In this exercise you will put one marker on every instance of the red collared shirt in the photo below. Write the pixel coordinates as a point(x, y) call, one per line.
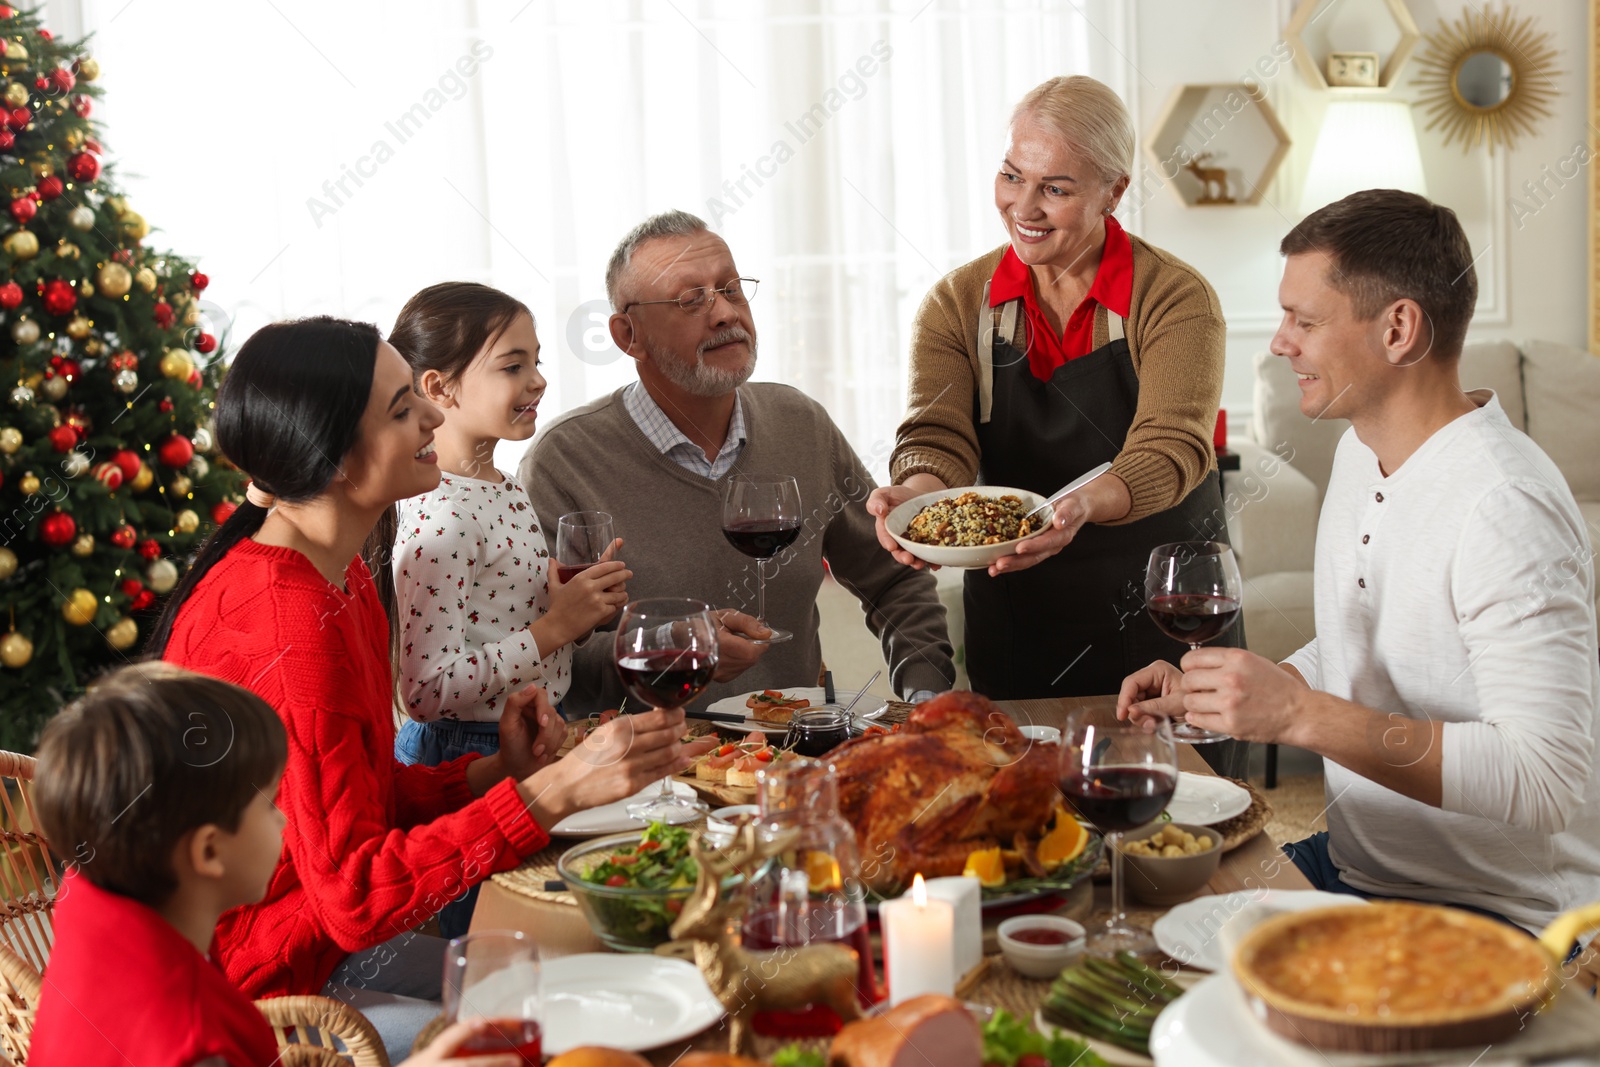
point(1112, 288)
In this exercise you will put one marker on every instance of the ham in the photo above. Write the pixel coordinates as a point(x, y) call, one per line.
point(925, 1031)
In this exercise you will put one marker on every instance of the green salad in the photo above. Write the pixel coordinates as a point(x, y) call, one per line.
point(1011, 1042)
point(659, 862)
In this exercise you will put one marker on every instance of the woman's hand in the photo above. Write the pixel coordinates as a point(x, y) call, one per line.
point(531, 732)
point(614, 761)
point(1105, 499)
point(594, 596)
point(451, 1039)
point(735, 652)
point(886, 498)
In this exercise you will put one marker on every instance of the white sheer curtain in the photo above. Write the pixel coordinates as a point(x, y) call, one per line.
point(845, 149)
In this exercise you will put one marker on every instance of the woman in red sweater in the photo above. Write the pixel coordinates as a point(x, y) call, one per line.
point(321, 414)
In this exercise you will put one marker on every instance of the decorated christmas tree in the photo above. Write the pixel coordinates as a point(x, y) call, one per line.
point(107, 382)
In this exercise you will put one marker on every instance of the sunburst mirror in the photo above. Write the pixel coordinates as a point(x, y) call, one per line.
point(1487, 78)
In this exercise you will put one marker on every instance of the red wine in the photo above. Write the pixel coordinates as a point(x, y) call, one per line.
point(762, 538)
point(665, 678)
point(1120, 798)
point(761, 934)
point(1193, 618)
point(521, 1036)
point(566, 572)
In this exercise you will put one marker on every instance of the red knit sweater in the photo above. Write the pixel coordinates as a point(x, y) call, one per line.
point(372, 847)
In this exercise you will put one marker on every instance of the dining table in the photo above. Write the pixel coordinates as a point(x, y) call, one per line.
point(554, 921)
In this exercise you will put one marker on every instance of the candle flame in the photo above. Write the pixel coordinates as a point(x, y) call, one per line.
point(919, 892)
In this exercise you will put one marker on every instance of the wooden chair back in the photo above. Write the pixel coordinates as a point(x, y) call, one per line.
point(27, 901)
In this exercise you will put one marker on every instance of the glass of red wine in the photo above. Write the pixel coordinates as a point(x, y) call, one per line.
point(582, 538)
point(1119, 776)
point(761, 517)
point(666, 651)
point(1192, 591)
point(494, 976)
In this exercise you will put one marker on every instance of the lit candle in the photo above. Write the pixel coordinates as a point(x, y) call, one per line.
point(918, 944)
point(966, 898)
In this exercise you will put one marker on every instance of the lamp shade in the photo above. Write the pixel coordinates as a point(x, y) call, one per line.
point(1363, 144)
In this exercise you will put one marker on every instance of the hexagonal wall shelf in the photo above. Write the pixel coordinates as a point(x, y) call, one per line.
point(1217, 145)
point(1355, 34)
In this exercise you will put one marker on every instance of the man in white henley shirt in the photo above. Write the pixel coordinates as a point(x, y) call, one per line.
point(1453, 687)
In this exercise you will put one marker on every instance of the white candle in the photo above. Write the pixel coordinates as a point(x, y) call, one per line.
point(918, 944)
point(966, 897)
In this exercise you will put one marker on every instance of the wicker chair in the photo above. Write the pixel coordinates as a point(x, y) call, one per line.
point(323, 1032)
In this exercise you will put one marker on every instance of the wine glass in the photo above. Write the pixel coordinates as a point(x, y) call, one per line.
point(1192, 592)
point(761, 517)
point(666, 650)
point(582, 537)
point(1119, 776)
point(494, 975)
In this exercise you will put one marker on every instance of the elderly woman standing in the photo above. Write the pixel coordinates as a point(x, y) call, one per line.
point(1073, 345)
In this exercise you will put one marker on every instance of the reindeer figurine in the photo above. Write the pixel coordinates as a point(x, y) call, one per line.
point(1210, 177)
point(785, 979)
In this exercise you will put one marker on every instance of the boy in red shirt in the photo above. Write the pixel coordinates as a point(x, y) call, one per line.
point(161, 784)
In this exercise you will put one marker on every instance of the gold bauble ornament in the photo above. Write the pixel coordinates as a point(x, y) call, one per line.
point(123, 633)
point(88, 68)
point(86, 287)
point(21, 244)
point(78, 327)
point(133, 226)
point(26, 332)
point(10, 440)
point(15, 52)
point(180, 487)
point(176, 364)
point(93, 346)
point(74, 140)
point(16, 94)
point(146, 279)
point(187, 522)
point(192, 316)
point(68, 250)
point(42, 168)
point(113, 279)
point(15, 650)
point(78, 609)
point(161, 576)
point(55, 389)
point(83, 545)
point(81, 217)
point(28, 484)
point(118, 205)
point(143, 480)
point(8, 563)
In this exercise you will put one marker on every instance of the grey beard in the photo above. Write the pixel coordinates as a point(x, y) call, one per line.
point(696, 378)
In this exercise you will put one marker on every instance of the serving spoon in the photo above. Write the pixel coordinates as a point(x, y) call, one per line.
point(1071, 487)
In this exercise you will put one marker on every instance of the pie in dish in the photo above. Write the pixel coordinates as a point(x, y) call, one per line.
point(1392, 977)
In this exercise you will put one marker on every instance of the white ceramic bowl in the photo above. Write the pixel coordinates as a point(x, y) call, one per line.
point(968, 558)
point(1041, 961)
point(720, 823)
point(1046, 734)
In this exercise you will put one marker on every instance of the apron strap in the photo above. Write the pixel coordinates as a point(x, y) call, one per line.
point(988, 329)
point(1115, 328)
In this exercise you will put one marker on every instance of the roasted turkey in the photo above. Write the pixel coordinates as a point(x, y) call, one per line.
point(958, 776)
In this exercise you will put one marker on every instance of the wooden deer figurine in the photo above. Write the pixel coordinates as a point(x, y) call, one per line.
point(1210, 178)
point(785, 979)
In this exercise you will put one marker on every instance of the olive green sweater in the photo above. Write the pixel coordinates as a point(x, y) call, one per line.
point(1175, 332)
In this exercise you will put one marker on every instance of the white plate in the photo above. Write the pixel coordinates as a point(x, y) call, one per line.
point(622, 1001)
point(613, 818)
point(950, 556)
point(1205, 799)
point(1191, 932)
point(736, 706)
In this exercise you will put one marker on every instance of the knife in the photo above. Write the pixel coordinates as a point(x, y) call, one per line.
point(827, 687)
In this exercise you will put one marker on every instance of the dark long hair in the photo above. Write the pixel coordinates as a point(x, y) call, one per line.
point(288, 411)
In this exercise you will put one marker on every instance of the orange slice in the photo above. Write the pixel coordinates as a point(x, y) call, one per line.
point(1064, 841)
point(986, 865)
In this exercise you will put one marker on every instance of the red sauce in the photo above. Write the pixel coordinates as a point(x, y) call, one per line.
point(1041, 935)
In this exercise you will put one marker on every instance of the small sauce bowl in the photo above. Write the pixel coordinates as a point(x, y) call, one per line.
point(1041, 946)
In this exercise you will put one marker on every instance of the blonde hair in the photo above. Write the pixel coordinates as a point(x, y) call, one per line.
point(1089, 117)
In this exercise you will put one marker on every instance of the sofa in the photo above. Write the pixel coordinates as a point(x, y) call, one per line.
point(1549, 391)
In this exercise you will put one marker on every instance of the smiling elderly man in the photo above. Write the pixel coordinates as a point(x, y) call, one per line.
point(657, 453)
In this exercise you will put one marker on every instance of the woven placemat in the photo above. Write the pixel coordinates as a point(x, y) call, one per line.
point(1235, 831)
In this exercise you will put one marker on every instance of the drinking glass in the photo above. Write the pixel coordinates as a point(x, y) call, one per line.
point(666, 651)
point(582, 537)
point(494, 976)
point(761, 517)
point(1192, 592)
point(1118, 776)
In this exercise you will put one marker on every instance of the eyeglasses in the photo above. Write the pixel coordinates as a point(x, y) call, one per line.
point(694, 301)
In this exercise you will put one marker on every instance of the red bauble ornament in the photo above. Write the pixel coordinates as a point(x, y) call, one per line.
point(82, 106)
point(19, 118)
point(57, 528)
point(62, 80)
point(10, 296)
point(91, 145)
point(205, 343)
point(83, 167)
point(78, 419)
point(131, 587)
point(7, 138)
point(127, 462)
point(194, 378)
point(165, 405)
point(176, 451)
point(68, 369)
point(124, 360)
point(143, 600)
point(221, 513)
point(124, 536)
point(164, 314)
point(7, 12)
point(108, 474)
point(41, 83)
point(51, 187)
point(46, 34)
point(63, 438)
point(149, 549)
point(199, 281)
point(59, 297)
point(22, 209)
